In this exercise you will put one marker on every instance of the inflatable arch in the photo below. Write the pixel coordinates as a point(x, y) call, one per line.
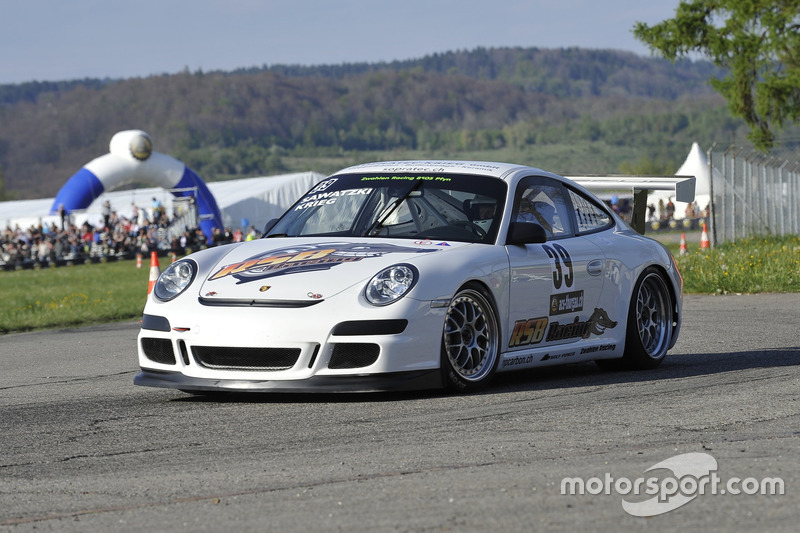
point(131, 159)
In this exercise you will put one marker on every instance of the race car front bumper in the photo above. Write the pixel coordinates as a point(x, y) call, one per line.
point(386, 382)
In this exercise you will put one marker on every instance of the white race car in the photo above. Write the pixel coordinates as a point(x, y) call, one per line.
point(413, 275)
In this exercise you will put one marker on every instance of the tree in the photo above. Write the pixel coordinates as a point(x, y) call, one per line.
point(757, 42)
point(647, 166)
point(3, 188)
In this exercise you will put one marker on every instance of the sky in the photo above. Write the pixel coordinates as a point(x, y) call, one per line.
point(55, 40)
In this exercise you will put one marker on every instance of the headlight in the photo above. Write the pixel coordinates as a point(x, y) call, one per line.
point(174, 280)
point(391, 284)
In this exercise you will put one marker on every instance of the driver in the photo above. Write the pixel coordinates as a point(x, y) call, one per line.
point(486, 211)
point(481, 212)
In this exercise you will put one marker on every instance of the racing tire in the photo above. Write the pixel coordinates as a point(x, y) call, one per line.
point(470, 341)
point(649, 325)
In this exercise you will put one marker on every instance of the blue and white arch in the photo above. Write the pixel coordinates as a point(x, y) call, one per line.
point(131, 159)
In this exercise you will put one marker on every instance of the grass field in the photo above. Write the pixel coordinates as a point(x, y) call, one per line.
point(106, 292)
point(747, 266)
point(72, 295)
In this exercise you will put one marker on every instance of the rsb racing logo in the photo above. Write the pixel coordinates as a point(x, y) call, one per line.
point(532, 330)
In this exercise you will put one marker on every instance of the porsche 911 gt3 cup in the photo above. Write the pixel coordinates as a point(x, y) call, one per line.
point(414, 275)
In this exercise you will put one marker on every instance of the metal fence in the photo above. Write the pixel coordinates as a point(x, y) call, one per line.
point(752, 195)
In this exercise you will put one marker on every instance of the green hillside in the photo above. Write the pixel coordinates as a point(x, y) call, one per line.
point(567, 110)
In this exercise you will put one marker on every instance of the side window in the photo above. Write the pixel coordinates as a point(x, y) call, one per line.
point(589, 216)
point(542, 201)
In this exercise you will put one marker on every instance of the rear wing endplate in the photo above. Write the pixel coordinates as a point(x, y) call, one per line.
point(682, 186)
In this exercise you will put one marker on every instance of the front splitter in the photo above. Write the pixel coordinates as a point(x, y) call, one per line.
point(387, 382)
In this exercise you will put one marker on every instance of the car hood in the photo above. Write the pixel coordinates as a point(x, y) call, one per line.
point(298, 271)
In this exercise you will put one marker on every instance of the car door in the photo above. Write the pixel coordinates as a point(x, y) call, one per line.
point(555, 285)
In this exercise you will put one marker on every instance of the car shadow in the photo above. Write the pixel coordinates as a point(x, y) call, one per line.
point(587, 374)
point(674, 366)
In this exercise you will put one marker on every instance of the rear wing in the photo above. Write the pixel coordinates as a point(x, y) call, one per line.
point(682, 186)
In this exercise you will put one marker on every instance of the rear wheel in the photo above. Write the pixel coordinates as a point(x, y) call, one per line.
point(470, 341)
point(649, 324)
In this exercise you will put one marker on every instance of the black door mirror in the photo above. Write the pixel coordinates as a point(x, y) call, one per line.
point(269, 225)
point(520, 233)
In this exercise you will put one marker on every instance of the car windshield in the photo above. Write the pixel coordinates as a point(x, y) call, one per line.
point(453, 207)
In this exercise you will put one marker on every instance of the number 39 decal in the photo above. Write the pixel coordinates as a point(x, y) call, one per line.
point(560, 255)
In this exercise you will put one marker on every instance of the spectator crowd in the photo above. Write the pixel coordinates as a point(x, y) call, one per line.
point(115, 237)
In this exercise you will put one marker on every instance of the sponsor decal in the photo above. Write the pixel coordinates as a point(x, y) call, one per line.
point(307, 258)
point(568, 302)
point(521, 360)
point(407, 178)
point(530, 331)
point(518, 360)
point(597, 325)
point(600, 348)
point(323, 185)
point(317, 198)
point(550, 357)
point(431, 243)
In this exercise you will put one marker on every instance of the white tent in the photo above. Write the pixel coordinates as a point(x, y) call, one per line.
point(696, 164)
point(254, 199)
point(258, 200)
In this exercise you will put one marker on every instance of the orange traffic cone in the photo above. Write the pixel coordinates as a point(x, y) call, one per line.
point(683, 244)
point(704, 243)
point(173, 257)
point(155, 270)
point(138, 260)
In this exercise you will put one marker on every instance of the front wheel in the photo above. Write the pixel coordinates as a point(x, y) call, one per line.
point(470, 341)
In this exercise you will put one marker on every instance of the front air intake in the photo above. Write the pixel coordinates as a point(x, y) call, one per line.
point(257, 359)
point(159, 350)
point(353, 355)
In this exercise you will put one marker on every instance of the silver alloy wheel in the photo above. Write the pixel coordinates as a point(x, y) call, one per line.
point(470, 336)
point(653, 315)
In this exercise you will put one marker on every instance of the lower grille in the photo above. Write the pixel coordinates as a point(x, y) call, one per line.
point(159, 350)
point(232, 358)
point(353, 355)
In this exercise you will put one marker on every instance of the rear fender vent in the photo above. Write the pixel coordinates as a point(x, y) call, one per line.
point(353, 355)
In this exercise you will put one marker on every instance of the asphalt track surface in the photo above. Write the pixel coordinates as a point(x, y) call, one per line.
point(85, 450)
